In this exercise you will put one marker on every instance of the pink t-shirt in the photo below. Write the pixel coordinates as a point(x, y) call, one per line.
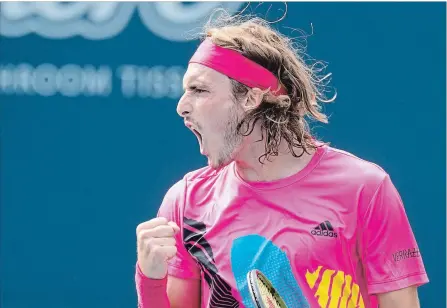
point(332, 235)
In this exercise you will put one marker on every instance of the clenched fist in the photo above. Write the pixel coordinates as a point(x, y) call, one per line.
point(155, 246)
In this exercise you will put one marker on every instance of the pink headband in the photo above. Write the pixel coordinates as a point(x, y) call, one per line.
point(234, 65)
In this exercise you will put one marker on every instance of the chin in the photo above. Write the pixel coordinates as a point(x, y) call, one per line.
point(218, 163)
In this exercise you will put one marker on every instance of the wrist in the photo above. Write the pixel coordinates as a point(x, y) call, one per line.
point(150, 282)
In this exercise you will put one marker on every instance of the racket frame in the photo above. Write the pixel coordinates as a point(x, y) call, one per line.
point(252, 277)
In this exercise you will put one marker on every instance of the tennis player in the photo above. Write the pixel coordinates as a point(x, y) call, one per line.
point(328, 229)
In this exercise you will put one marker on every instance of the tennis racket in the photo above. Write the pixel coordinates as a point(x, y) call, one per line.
point(262, 291)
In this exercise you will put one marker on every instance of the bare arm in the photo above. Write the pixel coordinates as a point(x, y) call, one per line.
point(184, 293)
point(404, 298)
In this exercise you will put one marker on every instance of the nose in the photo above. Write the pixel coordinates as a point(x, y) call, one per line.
point(184, 107)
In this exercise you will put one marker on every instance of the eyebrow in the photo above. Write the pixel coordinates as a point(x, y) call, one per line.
point(195, 82)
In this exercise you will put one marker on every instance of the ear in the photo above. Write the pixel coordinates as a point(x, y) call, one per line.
point(253, 99)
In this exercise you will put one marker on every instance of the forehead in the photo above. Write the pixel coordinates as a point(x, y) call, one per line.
point(202, 74)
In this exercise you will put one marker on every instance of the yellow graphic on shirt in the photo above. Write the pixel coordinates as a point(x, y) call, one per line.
point(335, 289)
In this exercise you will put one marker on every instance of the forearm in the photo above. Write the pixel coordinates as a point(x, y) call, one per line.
point(404, 298)
point(151, 292)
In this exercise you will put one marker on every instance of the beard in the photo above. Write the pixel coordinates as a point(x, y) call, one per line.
point(232, 141)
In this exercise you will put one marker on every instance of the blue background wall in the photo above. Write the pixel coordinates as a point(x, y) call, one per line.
point(80, 169)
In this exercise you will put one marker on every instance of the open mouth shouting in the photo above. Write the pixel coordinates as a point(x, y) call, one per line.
point(198, 135)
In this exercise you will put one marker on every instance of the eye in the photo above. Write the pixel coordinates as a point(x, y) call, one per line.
point(198, 90)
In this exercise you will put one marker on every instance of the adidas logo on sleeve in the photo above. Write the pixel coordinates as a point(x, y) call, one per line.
point(324, 229)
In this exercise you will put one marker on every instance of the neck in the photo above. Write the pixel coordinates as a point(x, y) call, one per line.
point(277, 167)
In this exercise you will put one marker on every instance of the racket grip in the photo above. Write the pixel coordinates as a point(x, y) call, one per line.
point(151, 292)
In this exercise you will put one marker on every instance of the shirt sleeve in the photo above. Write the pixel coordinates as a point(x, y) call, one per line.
point(182, 265)
point(389, 251)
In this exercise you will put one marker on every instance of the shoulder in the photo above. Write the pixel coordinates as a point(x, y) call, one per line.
point(188, 192)
point(354, 169)
point(194, 180)
point(349, 176)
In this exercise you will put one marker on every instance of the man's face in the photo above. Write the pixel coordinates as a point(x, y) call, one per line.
point(210, 111)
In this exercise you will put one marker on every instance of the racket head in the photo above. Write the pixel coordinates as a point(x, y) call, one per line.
point(262, 292)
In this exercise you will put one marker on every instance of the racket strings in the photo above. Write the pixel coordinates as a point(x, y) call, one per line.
point(268, 294)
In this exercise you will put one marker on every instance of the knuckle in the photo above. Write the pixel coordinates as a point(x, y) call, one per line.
point(150, 242)
point(147, 234)
point(141, 227)
point(140, 235)
point(163, 220)
point(138, 229)
point(156, 250)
